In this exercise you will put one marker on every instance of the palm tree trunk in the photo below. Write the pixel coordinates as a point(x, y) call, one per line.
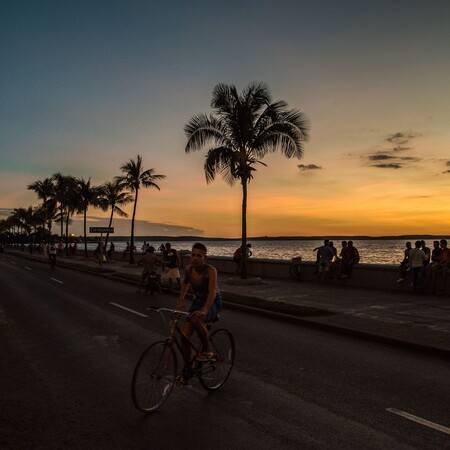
point(66, 250)
point(109, 226)
point(85, 237)
point(132, 228)
point(244, 230)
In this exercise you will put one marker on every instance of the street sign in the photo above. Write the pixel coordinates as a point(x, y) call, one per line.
point(101, 229)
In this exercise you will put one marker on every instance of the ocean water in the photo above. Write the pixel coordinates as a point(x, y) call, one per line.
point(377, 251)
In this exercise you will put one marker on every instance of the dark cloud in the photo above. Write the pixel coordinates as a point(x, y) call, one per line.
point(401, 137)
point(447, 171)
point(409, 158)
point(401, 149)
point(380, 157)
point(388, 166)
point(304, 167)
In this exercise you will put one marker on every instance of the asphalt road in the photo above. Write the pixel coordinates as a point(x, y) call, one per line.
point(68, 350)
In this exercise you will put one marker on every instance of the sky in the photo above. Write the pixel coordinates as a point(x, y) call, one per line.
point(85, 86)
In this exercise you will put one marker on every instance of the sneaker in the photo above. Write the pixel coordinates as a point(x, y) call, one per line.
point(181, 381)
point(400, 280)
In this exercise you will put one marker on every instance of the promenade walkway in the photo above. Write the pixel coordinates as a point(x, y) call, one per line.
point(416, 321)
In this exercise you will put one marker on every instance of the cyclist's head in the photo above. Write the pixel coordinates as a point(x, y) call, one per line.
point(200, 246)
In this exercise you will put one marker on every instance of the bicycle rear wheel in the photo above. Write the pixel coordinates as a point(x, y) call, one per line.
point(154, 377)
point(215, 372)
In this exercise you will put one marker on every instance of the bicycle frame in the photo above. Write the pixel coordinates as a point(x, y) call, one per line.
point(174, 330)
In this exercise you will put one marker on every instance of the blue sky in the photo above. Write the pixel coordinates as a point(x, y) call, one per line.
point(87, 85)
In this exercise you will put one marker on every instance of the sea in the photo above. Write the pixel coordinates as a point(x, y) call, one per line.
point(372, 251)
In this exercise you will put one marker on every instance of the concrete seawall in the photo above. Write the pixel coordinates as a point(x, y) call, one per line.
point(372, 276)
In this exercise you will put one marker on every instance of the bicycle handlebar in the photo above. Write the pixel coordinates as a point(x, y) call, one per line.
point(159, 309)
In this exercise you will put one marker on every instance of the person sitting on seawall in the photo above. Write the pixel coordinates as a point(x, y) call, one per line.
point(427, 252)
point(207, 303)
point(417, 260)
point(404, 265)
point(440, 268)
point(352, 259)
point(435, 257)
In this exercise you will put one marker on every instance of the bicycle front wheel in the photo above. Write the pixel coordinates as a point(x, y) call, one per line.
point(215, 372)
point(154, 377)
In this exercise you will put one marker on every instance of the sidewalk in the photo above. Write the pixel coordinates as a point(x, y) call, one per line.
point(418, 322)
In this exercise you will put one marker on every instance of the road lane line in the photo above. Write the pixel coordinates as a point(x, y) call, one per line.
point(425, 422)
point(58, 281)
point(28, 268)
point(129, 310)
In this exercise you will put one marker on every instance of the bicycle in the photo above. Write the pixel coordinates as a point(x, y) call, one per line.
point(294, 268)
point(156, 371)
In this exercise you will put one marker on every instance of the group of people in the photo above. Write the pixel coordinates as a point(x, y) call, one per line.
point(328, 260)
point(168, 260)
point(425, 264)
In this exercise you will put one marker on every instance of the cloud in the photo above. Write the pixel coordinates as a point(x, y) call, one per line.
point(388, 166)
point(448, 163)
point(401, 137)
point(304, 167)
point(122, 227)
point(446, 171)
point(380, 157)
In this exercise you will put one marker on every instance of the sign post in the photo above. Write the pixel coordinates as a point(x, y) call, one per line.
point(101, 230)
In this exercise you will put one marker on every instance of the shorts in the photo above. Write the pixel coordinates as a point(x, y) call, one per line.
point(172, 272)
point(198, 303)
point(324, 266)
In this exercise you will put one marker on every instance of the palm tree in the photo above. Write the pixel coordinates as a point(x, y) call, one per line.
point(86, 195)
point(134, 177)
point(113, 196)
point(64, 190)
point(45, 190)
point(243, 129)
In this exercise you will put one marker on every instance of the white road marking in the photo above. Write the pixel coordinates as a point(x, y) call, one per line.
point(58, 281)
point(129, 310)
point(28, 268)
point(425, 422)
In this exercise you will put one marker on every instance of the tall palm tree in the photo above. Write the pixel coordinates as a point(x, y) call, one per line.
point(112, 195)
point(64, 190)
point(45, 190)
point(243, 129)
point(86, 195)
point(134, 177)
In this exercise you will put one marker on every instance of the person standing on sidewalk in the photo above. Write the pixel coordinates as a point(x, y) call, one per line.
point(352, 259)
point(404, 265)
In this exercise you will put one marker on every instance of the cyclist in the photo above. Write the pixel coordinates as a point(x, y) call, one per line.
point(207, 301)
